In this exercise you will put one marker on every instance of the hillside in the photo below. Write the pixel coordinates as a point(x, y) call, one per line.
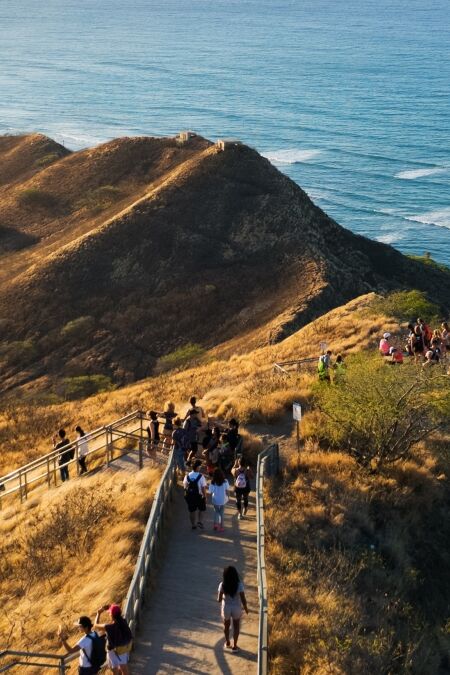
point(140, 246)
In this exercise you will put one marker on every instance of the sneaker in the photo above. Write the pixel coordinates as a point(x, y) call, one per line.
point(235, 648)
point(239, 516)
point(194, 527)
point(245, 510)
point(215, 527)
point(200, 525)
point(221, 529)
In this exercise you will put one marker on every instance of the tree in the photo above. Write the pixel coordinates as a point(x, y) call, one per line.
point(379, 412)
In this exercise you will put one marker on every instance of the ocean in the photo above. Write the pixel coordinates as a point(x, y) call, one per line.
point(350, 99)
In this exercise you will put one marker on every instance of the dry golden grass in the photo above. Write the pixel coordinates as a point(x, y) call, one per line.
point(364, 560)
point(69, 552)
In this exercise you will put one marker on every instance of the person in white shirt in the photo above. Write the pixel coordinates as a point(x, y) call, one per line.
point(218, 489)
point(83, 449)
point(84, 645)
point(195, 495)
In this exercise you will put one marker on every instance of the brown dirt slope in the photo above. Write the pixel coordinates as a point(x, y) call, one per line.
point(206, 245)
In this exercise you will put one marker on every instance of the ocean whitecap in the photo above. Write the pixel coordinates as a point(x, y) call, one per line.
point(439, 217)
point(411, 174)
point(291, 156)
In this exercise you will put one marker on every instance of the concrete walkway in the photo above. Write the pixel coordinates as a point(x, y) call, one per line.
point(181, 630)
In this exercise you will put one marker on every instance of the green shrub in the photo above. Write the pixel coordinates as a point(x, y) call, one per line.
point(77, 328)
point(18, 352)
point(179, 357)
point(36, 198)
point(101, 198)
point(379, 412)
point(83, 386)
point(46, 160)
point(426, 259)
point(407, 306)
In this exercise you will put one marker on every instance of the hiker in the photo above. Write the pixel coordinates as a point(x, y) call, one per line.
point(118, 639)
point(408, 347)
point(435, 347)
point(396, 356)
point(226, 454)
point(384, 345)
point(426, 332)
point(192, 425)
point(211, 449)
point(234, 437)
point(91, 647)
point(445, 338)
point(218, 490)
point(195, 495)
point(242, 474)
point(168, 415)
point(232, 596)
point(180, 444)
point(339, 369)
point(198, 410)
point(153, 432)
point(83, 449)
point(324, 366)
point(64, 456)
point(417, 344)
point(429, 359)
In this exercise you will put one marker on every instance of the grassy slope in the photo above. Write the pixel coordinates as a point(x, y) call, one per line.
point(69, 552)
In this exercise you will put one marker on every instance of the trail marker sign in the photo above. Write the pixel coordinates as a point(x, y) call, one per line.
point(297, 412)
point(323, 347)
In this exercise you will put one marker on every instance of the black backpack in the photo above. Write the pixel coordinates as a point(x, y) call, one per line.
point(192, 487)
point(98, 654)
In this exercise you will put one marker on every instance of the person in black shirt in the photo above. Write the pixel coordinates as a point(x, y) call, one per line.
point(65, 454)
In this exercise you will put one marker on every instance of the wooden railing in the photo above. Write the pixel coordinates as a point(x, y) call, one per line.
point(268, 465)
point(105, 444)
point(151, 544)
point(287, 367)
point(10, 659)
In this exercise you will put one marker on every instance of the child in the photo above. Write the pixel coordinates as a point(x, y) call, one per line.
point(218, 489)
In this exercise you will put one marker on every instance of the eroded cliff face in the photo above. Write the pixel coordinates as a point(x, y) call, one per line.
point(188, 245)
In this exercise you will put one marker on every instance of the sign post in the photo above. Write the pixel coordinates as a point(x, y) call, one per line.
point(297, 415)
point(323, 346)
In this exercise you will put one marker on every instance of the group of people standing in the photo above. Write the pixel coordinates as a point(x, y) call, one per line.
point(67, 451)
point(425, 345)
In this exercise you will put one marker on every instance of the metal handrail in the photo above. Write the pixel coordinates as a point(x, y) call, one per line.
point(25, 476)
point(268, 465)
point(280, 366)
point(58, 660)
point(151, 540)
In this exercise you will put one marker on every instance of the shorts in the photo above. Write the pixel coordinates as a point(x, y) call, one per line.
point(114, 660)
point(196, 504)
point(231, 612)
point(86, 670)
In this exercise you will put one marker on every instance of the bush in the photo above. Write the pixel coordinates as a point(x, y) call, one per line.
point(407, 306)
point(78, 327)
point(36, 198)
point(99, 199)
point(426, 259)
point(83, 386)
point(179, 357)
point(18, 352)
point(379, 412)
point(46, 160)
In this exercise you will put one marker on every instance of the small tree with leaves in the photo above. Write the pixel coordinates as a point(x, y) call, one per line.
point(378, 412)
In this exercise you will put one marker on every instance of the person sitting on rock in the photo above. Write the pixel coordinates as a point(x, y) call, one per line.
point(385, 345)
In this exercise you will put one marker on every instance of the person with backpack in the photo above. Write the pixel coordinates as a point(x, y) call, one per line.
point(119, 639)
point(65, 454)
point(168, 416)
point(91, 647)
point(211, 449)
point(231, 595)
point(180, 443)
point(242, 474)
point(195, 495)
point(323, 367)
point(192, 426)
point(234, 437)
point(218, 490)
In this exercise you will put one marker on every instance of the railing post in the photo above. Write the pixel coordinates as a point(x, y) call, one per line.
point(48, 473)
point(77, 457)
point(20, 487)
point(141, 453)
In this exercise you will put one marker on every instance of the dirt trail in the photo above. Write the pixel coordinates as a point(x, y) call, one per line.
point(181, 629)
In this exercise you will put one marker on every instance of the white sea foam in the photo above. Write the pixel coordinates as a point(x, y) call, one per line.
point(291, 156)
point(390, 238)
point(410, 174)
point(440, 217)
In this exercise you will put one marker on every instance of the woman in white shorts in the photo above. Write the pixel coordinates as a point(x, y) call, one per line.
point(231, 595)
point(118, 639)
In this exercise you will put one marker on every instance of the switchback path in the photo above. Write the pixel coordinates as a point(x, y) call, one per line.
point(181, 630)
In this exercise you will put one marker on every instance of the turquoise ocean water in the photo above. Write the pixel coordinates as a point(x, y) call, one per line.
point(349, 98)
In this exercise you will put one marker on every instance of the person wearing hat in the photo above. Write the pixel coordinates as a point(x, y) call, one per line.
point(384, 346)
point(118, 639)
point(84, 646)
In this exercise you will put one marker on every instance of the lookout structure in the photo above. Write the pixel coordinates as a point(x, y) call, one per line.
point(223, 144)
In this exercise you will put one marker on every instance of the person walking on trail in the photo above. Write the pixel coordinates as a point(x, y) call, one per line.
point(153, 432)
point(91, 647)
point(195, 495)
point(242, 474)
point(168, 416)
point(323, 367)
point(234, 437)
point(218, 490)
point(192, 426)
point(180, 442)
point(339, 369)
point(65, 454)
point(118, 639)
point(83, 449)
point(232, 597)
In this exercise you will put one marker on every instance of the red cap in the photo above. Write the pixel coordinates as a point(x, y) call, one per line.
point(115, 611)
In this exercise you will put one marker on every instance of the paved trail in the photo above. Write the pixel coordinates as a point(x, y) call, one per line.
point(181, 630)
